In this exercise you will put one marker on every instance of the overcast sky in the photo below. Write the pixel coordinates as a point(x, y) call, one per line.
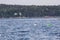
point(31, 2)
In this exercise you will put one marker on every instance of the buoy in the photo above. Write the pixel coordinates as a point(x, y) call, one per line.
point(49, 25)
point(35, 24)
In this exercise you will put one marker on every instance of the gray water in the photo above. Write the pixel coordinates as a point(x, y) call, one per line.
point(30, 29)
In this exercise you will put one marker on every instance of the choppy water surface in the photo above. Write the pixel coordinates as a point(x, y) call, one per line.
point(30, 29)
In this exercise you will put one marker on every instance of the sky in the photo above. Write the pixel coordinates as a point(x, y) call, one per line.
point(30, 2)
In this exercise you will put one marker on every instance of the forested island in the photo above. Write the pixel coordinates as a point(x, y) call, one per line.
point(7, 11)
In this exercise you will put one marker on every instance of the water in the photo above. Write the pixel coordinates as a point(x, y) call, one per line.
point(30, 29)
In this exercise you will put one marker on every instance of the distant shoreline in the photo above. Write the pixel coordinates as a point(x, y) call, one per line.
point(30, 17)
point(33, 11)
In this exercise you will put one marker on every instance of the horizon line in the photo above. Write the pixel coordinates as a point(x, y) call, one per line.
point(29, 4)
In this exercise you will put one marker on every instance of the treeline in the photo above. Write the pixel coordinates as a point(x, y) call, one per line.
point(28, 11)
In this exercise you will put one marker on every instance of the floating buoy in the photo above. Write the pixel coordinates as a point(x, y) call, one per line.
point(35, 24)
point(49, 25)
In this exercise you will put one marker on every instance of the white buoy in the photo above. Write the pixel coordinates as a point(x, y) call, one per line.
point(35, 24)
